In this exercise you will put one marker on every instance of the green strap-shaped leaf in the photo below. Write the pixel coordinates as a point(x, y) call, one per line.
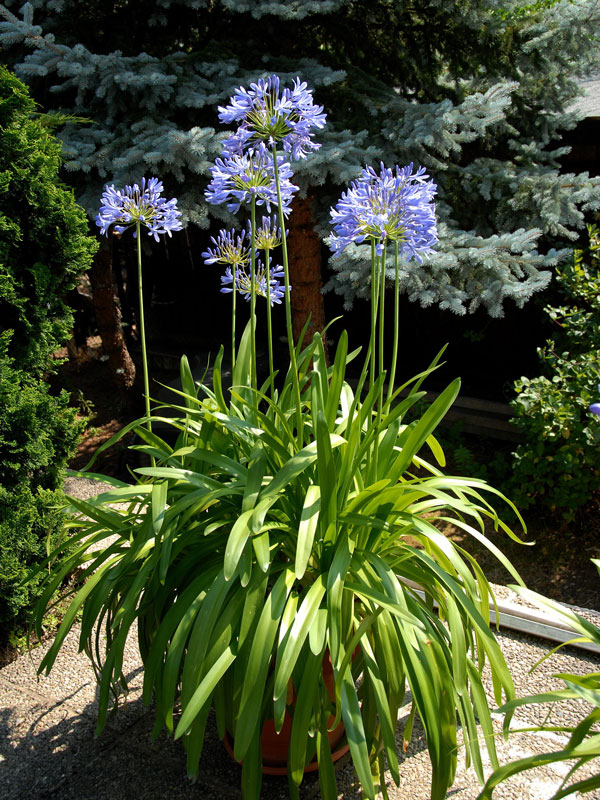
point(111, 519)
point(255, 474)
point(327, 780)
point(335, 589)
point(298, 633)
point(241, 371)
point(303, 713)
point(252, 770)
point(159, 502)
point(336, 380)
point(205, 689)
point(318, 632)
point(236, 542)
point(388, 726)
point(425, 426)
point(309, 519)
point(297, 464)
point(217, 380)
point(258, 663)
point(355, 734)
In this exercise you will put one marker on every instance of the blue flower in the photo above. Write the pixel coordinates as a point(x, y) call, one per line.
point(125, 208)
point(243, 282)
point(392, 206)
point(237, 179)
point(268, 234)
point(268, 116)
point(229, 248)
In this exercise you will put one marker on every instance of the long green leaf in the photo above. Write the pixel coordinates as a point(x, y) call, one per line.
point(205, 689)
point(298, 633)
point(355, 733)
point(259, 662)
point(296, 465)
point(309, 519)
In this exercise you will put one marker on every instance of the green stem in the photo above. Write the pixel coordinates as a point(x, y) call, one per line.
point(288, 306)
point(269, 325)
point(381, 321)
point(233, 303)
point(143, 332)
point(374, 303)
point(253, 379)
point(396, 324)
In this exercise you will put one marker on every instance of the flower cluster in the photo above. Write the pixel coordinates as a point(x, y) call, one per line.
point(269, 116)
point(233, 250)
point(237, 179)
point(229, 248)
point(268, 234)
point(243, 282)
point(396, 205)
point(134, 204)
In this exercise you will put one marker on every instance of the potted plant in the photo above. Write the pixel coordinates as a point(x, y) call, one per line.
point(283, 527)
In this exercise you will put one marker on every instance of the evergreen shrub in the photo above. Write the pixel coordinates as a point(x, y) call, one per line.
point(30, 526)
point(557, 465)
point(44, 247)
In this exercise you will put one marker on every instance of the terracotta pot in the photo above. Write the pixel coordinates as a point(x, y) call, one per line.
point(275, 746)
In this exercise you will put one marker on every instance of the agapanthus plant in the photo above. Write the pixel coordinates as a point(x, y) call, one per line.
point(268, 115)
point(394, 206)
point(281, 533)
point(136, 206)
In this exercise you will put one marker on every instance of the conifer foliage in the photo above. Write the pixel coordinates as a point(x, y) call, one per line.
point(44, 247)
point(474, 92)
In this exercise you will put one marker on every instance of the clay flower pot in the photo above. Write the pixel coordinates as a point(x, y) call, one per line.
point(275, 746)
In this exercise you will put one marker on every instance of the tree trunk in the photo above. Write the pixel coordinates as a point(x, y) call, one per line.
point(304, 247)
point(108, 319)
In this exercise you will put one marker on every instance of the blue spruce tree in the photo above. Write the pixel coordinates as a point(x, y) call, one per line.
point(477, 92)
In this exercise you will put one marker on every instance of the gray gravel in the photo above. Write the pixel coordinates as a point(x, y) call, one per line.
point(47, 742)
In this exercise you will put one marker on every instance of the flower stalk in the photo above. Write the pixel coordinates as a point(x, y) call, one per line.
point(288, 307)
point(253, 377)
point(143, 329)
point(395, 342)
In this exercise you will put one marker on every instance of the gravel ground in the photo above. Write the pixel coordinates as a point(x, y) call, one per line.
point(47, 742)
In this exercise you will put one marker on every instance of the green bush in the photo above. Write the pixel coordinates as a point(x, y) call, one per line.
point(44, 242)
point(38, 431)
point(558, 464)
point(30, 526)
point(44, 247)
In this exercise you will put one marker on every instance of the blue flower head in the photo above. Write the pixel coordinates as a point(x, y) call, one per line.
point(237, 179)
point(268, 115)
point(124, 208)
point(243, 282)
point(229, 248)
point(394, 206)
point(268, 234)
